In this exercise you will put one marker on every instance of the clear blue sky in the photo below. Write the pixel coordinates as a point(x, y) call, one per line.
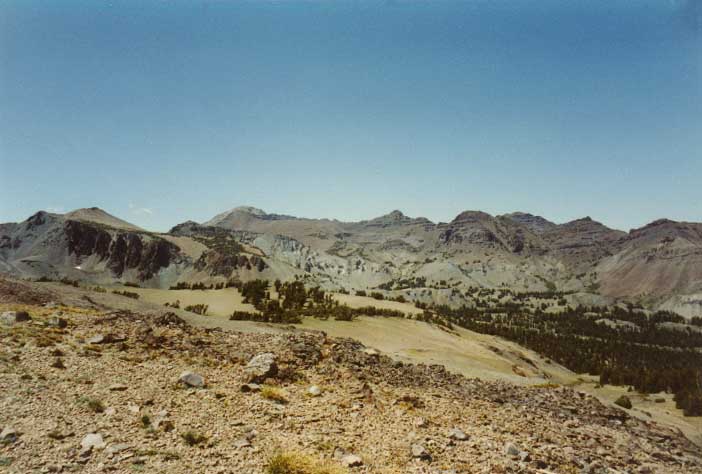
point(163, 111)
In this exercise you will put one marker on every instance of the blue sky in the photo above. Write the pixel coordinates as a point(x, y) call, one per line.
point(163, 111)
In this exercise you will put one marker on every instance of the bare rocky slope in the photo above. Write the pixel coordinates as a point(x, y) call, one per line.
point(88, 388)
point(658, 264)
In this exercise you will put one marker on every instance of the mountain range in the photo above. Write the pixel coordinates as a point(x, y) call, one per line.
point(659, 264)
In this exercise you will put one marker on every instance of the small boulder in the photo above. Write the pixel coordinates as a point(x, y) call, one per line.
point(191, 379)
point(250, 387)
point(314, 391)
point(106, 339)
point(162, 422)
point(420, 422)
point(351, 460)
point(92, 441)
point(13, 317)
point(117, 448)
point(261, 367)
point(99, 339)
point(250, 432)
point(308, 352)
point(511, 449)
point(57, 322)
point(457, 434)
point(8, 435)
point(420, 452)
point(242, 443)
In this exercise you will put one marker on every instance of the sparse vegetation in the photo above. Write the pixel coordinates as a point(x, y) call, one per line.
point(197, 308)
point(145, 421)
point(193, 438)
point(298, 463)
point(93, 404)
point(623, 402)
point(275, 394)
point(646, 356)
point(128, 294)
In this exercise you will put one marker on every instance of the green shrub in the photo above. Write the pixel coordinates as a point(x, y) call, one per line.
point(623, 402)
point(93, 404)
point(192, 438)
point(128, 294)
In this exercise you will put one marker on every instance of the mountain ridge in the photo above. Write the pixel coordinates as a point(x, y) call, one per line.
point(411, 257)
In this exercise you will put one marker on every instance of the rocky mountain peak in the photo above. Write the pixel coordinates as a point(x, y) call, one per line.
point(472, 216)
point(659, 223)
point(96, 215)
point(586, 222)
point(183, 228)
point(254, 211)
point(38, 219)
point(396, 215)
point(536, 224)
point(667, 230)
point(236, 216)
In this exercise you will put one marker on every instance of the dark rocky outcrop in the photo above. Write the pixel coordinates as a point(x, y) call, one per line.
point(123, 250)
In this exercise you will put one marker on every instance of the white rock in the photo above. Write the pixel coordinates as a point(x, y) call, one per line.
point(351, 460)
point(511, 449)
point(92, 441)
point(13, 317)
point(57, 322)
point(8, 435)
point(314, 391)
point(420, 422)
point(192, 379)
point(250, 387)
point(261, 366)
point(242, 443)
point(99, 339)
point(419, 451)
point(117, 448)
point(457, 434)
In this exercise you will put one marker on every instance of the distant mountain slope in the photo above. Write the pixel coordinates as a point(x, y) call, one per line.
point(583, 242)
point(83, 245)
point(517, 250)
point(660, 259)
point(98, 216)
point(394, 254)
point(536, 224)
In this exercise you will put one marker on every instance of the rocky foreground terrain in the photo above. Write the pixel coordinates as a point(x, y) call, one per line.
point(87, 389)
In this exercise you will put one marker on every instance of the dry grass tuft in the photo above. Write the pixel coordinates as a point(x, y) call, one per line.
point(192, 438)
point(273, 393)
point(298, 463)
point(95, 405)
